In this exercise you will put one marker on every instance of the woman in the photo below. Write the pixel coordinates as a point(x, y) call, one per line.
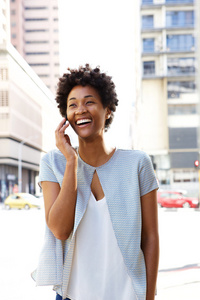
point(100, 203)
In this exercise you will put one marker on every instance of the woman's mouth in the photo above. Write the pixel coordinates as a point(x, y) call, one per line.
point(83, 122)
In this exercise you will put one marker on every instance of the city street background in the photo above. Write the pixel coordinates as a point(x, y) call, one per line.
point(22, 234)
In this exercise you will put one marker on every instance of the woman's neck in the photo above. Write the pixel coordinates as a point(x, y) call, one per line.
point(95, 153)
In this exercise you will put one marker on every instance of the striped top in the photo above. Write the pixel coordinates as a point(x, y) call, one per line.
point(126, 177)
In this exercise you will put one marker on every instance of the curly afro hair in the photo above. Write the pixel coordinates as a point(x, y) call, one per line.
point(87, 76)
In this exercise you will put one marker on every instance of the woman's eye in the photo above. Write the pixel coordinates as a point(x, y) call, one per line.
point(90, 102)
point(71, 105)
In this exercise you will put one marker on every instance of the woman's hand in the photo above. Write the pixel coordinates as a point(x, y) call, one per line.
point(63, 141)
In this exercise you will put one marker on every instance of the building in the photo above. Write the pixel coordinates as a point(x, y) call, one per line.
point(28, 116)
point(35, 34)
point(167, 98)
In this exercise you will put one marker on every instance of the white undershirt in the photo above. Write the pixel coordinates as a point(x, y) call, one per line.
point(98, 269)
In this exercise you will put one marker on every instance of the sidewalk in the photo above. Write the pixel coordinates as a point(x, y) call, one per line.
point(179, 284)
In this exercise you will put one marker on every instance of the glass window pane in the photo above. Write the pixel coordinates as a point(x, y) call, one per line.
point(180, 42)
point(147, 21)
point(181, 66)
point(148, 67)
point(185, 109)
point(176, 88)
point(147, 1)
point(148, 45)
point(179, 1)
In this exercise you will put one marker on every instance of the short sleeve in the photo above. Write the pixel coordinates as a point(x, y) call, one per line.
point(46, 172)
point(147, 177)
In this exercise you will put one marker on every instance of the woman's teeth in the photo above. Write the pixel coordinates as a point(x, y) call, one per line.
point(83, 121)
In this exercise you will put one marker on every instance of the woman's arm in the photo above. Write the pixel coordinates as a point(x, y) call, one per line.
point(150, 240)
point(59, 202)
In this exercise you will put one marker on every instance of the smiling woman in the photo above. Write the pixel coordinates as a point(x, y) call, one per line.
point(100, 202)
point(85, 111)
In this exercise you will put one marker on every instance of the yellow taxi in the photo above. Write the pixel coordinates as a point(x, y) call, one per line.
point(22, 200)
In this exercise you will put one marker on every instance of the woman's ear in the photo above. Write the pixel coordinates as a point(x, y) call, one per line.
point(108, 114)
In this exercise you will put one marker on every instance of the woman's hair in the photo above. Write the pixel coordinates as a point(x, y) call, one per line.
point(87, 76)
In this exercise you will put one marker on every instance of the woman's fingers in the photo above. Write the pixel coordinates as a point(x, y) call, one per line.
point(62, 126)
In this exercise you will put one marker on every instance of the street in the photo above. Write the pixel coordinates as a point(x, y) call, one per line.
point(21, 238)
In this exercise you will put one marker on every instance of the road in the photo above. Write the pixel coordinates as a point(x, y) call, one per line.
point(21, 236)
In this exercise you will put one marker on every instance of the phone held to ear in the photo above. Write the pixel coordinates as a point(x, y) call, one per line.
point(66, 120)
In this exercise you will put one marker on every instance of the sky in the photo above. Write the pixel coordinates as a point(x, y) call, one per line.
point(101, 33)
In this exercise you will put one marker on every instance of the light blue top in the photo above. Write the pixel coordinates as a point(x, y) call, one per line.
point(126, 177)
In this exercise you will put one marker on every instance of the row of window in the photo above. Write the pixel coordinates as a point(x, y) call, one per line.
point(175, 43)
point(40, 30)
point(14, 35)
point(41, 53)
point(169, 1)
point(173, 19)
point(175, 66)
point(40, 42)
point(186, 109)
point(3, 74)
point(43, 64)
point(177, 88)
point(3, 98)
point(39, 19)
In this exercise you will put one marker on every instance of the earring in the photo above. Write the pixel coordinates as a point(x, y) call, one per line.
point(108, 117)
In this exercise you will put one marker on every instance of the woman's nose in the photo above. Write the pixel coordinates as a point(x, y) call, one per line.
point(81, 109)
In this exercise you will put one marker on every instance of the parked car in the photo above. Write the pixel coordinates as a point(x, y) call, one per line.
point(22, 200)
point(176, 199)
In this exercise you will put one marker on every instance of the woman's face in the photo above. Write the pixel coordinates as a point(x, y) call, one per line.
point(85, 112)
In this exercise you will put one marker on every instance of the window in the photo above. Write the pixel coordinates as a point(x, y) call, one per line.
point(148, 67)
point(3, 74)
point(13, 12)
point(37, 42)
point(36, 8)
point(147, 21)
point(43, 75)
point(148, 45)
point(181, 66)
point(184, 109)
point(4, 116)
point(39, 19)
point(36, 30)
point(180, 42)
point(147, 1)
point(183, 138)
point(13, 24)
point(13, 35)
point(180, 18)
point(176, 88)
point(3, 98)
point(37, 53)
point(39, 65)
point(179, 1)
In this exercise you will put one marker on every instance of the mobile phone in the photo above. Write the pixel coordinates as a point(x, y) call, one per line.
point(66, 120)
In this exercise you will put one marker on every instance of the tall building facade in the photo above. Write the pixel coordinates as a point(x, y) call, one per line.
point(28, 116)
point(35, 35)
point(168, 101)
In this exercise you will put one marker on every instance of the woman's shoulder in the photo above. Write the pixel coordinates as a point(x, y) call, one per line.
point(132, 154)
point(53, 155)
